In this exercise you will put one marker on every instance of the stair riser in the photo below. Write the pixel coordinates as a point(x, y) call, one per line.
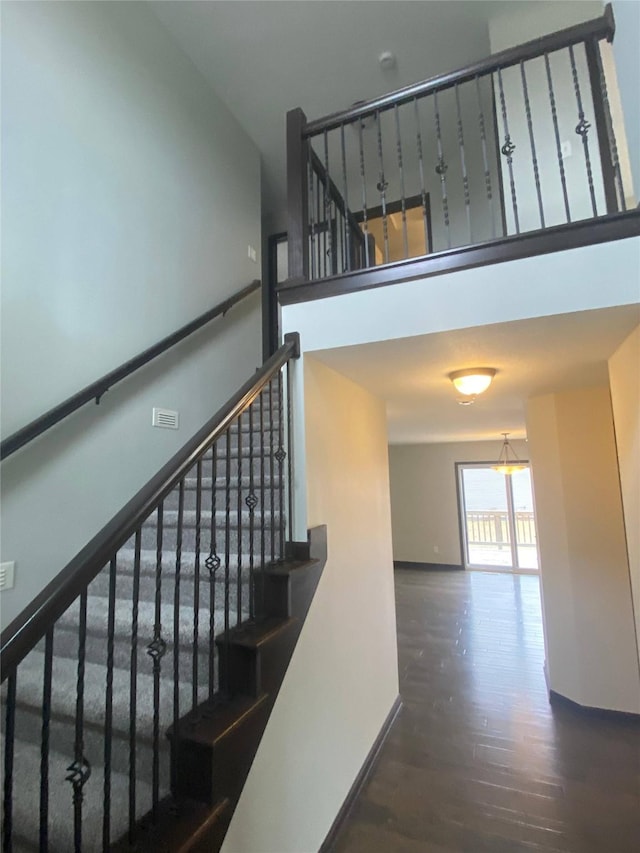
point(265, 501)
point(147, 587)
point(170, 538)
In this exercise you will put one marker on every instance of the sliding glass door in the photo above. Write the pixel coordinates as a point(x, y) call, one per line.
point(497, 519)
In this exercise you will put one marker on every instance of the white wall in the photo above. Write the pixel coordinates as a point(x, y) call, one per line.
point(624, 382)
point(343, 678)
point(129, 196)
point(424, 499)
point(590, 637)
point(558, 283)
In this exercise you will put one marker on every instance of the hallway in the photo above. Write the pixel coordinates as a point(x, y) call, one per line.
point(477, 759)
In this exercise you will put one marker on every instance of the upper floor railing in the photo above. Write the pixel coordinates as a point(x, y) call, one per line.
point(521, 144)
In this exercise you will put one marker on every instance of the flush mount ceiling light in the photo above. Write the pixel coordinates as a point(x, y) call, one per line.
point(508, 462)
point(473, 380)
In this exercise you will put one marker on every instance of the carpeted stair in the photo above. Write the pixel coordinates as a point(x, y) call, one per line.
point(254, 539)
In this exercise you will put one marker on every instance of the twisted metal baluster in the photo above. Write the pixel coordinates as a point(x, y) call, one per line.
point(79, 770)
point(176, 636)
point(212, 563)
point(133, 686)
point(556, 132)
point(382, 187)
point(280, 456)
point(405, 235)
point(582, 129)
point(251, 501)
point(485, 159)
point(156, 650)
point(423, 193)
point(196, 588)
point(9, 749)
point(365, 226)
point(108, 707)
point(345, 190)
point(609, 123)
point(463, 164)
point(44, 745)
point(507, 150)
point(441, 170)
point(536, 171)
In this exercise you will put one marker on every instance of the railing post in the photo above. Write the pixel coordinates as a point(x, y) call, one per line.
point(297, 197)
point(600, 118)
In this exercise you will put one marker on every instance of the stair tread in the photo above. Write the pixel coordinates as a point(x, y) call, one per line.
point(252, 635)
point(210, 723)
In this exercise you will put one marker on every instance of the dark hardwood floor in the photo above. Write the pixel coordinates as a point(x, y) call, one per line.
point(477, 759)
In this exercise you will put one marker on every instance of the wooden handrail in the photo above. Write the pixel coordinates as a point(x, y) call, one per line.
point(97, 389)
point(30, 626)
point(599, 28)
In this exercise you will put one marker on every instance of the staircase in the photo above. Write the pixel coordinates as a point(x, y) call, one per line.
point(133, 721)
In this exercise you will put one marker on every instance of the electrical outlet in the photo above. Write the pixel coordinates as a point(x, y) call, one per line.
point(7, 575)
point(251, 254)
point(165, 418)
point(436, 549)
point(565, 149)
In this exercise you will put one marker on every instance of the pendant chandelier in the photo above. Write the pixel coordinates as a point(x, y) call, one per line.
point(508, 462)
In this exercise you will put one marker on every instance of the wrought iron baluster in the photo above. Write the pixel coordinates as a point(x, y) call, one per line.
point(532, 142)
point(227, 568)
point(463, 164)
point(405, 236)
point(507, 150)
point(280, 456)
point(382, 187)
point(485, 159)
point(615, 160)
point(327, 201)
point(423, 193)
point(582, 129)
point(556, 132)
point(176, 633)
point(251, 501)
point(44, 743)
point(9, 749)
point(79, 770)
point(365, 226)
point(312, 223)
point(321, 233)
point(345, 191)
point(213, 564)
point(290, 449)
point(156, 650)
point(263, 515)
point(133, 686)
point(108, 706)
point(239, 509)
point(196, 588)
point(441, 170)
point(272, 474)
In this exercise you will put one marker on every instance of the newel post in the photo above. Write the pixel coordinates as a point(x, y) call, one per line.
point(297, 197)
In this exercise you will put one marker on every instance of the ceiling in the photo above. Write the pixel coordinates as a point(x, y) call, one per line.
point(532, 357)
point(264, 58)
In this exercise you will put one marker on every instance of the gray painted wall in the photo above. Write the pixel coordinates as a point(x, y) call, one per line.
point(130, 194)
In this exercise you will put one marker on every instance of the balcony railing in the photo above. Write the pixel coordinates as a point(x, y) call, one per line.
point(516, 148)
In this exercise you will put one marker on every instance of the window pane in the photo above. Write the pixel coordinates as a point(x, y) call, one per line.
point(487, 522)
point(525, 526)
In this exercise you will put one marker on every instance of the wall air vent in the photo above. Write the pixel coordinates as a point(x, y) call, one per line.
point(165, 419)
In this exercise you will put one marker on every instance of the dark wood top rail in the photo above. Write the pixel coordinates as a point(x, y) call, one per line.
point(598, 28)
point(30, 626)
point(97, 389)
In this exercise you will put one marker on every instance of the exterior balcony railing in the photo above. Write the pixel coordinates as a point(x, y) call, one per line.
point(519, 154)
